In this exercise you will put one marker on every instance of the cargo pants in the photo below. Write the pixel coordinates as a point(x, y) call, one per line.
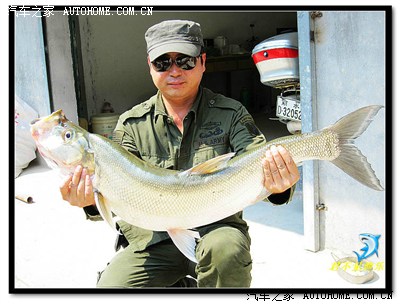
point(223, 256)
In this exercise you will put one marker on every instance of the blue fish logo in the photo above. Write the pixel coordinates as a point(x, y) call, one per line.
point(371, 246)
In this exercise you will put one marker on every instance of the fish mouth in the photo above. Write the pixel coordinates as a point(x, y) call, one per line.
point(57, 116)
point(35, 121)
point(43, 124)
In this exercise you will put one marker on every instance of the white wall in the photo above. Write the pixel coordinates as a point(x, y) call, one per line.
point(114, 49)
point(350, 73)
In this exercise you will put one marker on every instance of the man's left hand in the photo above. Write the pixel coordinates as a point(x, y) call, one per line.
point(280, 171)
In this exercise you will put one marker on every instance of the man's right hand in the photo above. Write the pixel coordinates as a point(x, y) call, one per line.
point(78, 189)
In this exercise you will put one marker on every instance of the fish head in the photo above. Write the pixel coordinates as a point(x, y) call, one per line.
point(62, 144)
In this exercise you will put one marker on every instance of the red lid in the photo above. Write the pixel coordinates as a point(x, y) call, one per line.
point(275, 54)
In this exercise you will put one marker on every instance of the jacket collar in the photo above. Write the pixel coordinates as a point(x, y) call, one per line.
point(159, 107)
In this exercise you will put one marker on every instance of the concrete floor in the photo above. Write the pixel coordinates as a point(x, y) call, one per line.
point(56, 247)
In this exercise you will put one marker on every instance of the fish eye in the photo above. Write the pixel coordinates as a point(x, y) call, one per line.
point(68, 135)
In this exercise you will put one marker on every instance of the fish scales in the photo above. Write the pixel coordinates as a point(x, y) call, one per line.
point(322, 145)
point(188, 197)
point(163, 199)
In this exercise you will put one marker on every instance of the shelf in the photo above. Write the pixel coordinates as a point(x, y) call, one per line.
point(229, 63)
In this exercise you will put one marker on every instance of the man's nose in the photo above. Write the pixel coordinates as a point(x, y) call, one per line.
point(175, 70)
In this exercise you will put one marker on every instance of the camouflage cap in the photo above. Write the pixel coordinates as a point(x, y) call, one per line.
point(180, 36)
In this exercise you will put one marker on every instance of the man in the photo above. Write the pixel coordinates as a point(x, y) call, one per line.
point(182, 126)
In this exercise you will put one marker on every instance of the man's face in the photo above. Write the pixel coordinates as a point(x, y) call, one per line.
point(177, 84)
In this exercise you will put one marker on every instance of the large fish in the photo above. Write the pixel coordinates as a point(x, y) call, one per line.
point(177, 201)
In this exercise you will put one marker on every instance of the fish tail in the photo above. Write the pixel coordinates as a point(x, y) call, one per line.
point(350, 159)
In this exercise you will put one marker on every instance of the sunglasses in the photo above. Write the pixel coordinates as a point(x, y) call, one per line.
point(164, 63)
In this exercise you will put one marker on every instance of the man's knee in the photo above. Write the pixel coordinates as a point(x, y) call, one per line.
point(224, 258)
point(115, 276)
point(123, 271)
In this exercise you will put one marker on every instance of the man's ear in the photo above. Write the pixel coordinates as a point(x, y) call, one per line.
point(149, 63)
point(203, 60)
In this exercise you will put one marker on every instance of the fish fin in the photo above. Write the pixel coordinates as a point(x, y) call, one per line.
point(350, 159)
point(211, 166)
point(104, 209)
point(185, 241)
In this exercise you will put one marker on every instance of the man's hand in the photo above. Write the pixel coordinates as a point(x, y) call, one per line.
point(280, 171)
point(77, 189)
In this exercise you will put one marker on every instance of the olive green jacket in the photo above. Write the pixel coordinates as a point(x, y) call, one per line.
point(215, 125)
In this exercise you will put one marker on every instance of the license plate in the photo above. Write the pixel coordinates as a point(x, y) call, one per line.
point(288, 108)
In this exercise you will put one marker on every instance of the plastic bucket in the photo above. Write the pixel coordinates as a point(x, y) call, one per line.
point(104, 124)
